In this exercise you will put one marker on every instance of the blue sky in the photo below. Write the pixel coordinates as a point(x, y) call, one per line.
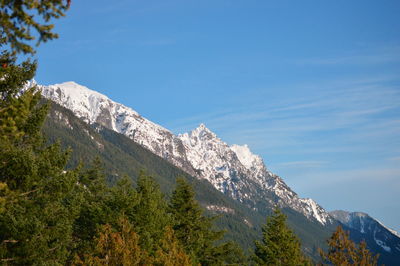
point(311, 86)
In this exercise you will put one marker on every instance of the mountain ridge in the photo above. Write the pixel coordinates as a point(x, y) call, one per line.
point(200, 152)
point(243, 165)
point(123, 157)
point(371, 230)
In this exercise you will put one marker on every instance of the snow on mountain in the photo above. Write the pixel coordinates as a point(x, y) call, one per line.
point(233, 170)
point(248, 159)
point(93, 107)
point(384, 237)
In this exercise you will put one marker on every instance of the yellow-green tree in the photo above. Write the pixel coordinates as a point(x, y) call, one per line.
point(343, 251)
point(170, 252)
point(116, 248)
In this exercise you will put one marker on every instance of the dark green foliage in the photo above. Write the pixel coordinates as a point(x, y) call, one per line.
point(20, 117)
point(123, 199)
point(37, 222)
point(150, 214)
point(53, 216)
point(13, 75)
point(279, 245)
point(93, 211)
point(18, 17)
point(39, 201)
point(121, 155)
point(311, 234)
point(195, 231)
point(191, 227)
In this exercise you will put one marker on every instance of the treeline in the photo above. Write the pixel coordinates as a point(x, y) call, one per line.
point(53, 216)
point(50, 216)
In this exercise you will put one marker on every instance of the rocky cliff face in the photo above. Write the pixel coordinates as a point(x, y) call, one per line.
point(233, 170)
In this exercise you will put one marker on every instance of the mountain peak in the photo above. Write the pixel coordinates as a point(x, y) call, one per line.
point(72, 88)
point(202, 127)
point(72, 83)
point(235, 170)
point(246, 157)
point(203, 133)
point(345, 216)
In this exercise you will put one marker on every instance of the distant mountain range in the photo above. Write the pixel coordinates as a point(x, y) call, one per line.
point(377, 236)
point(233, 170)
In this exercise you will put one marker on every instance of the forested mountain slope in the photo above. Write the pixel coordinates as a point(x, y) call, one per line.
point(122, 156)
point(249, 190)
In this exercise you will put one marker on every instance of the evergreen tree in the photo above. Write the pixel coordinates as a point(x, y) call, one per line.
point(93, 210)
point(343, 251)
point(18, 17)
point(364, 257)
point(194, 230)
point(38, 197)
point(150, 214)
point(123, 199)
point(39, 200)
point(3, 196)
point(119, 247)
point(170, 252)
point(279, 245)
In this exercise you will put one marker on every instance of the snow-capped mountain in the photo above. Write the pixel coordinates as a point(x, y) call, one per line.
point(233, 170)
point(95, 108)
point(387, 239)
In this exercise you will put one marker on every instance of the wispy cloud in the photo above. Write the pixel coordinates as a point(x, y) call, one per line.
point(395, 159)
point(336, 135)
point(157, 42)
point(352, 123)
point(306, 164)
point(322, 180)
point(330, 109)
point(381, 55)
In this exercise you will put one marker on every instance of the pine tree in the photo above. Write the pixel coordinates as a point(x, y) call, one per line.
point(279, 245)
point(16, 21)
point(39, 199)
point(3, 196)
point(40, 206)
point(93, 210)
point(170, 252)
point(123, 199)
point(194, 230)
point(364, 257)
point(113, 247)
point(150, 214)
point(343, 251)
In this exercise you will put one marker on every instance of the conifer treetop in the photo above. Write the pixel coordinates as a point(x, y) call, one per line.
point(19, 17)
point(279, 245)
